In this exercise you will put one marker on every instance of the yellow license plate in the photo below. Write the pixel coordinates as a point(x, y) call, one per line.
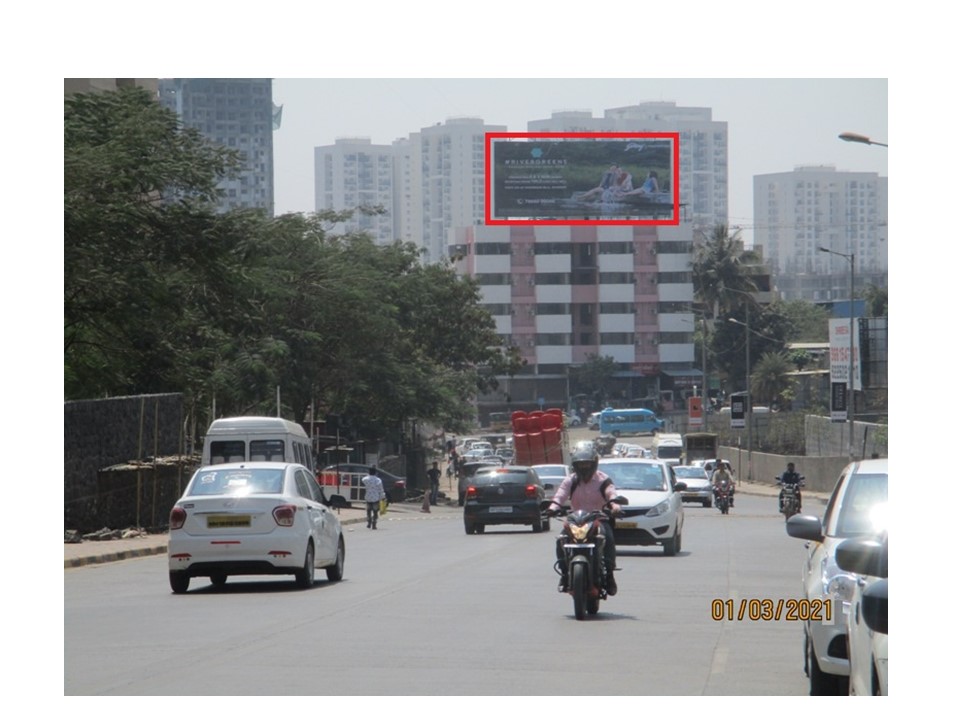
point(228, 521)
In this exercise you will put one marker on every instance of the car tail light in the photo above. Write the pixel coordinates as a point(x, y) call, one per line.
point(284, 514)
point(531, 491)
point(178, 516)
point(471, 493)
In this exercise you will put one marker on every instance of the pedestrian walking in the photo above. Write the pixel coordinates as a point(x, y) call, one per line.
point(373, 494)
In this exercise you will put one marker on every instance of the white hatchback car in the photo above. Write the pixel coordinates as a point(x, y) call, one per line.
point(654, 515)
point(857, 508)
point(254, 518)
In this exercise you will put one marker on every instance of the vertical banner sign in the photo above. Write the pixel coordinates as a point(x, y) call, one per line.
point(738, 409)
point(840, 352)
point(695, 412)
point(838, 401)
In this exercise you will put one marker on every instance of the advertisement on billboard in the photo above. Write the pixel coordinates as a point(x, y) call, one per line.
point(582, 178)
point(738, 411)
point(695, 412)
point(840, 352)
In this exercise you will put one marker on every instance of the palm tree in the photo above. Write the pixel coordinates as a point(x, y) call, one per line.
point(718, 278)
point(769, 380)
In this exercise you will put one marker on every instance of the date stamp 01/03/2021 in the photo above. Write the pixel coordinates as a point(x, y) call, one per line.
point(769, 609)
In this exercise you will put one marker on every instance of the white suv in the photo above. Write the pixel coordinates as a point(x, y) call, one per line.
point(857, 508)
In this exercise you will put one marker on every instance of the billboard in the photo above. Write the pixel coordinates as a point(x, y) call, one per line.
point(840, 351)
point(582, 179)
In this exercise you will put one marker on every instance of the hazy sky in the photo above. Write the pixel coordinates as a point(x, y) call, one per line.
point(773, 125)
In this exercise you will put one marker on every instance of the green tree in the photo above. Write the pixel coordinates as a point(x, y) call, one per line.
point(876, 301)
point(137, 199)
point(593, 378)
point(162, 293)
point(769, 379)
point(719, 280)
point(807, 321)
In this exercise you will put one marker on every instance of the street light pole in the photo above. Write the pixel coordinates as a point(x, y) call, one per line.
point(858, 138)
point(850, 403)
point(749, 412)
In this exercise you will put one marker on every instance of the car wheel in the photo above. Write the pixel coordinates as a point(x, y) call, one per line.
point(546, 525)
point(707, 503)
point(304, 575)
point(672, 546)
point(179, 581)
point(335, 571)
point(219, 579)
point(468, 528)
point(478, 528)
point(821, 683)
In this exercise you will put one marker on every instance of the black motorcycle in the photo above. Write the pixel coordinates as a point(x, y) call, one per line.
point(722, 493)
point(583, 557)
point(791, 497)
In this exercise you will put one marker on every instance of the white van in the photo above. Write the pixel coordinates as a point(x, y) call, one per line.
point(241, 439)
point(668, 447)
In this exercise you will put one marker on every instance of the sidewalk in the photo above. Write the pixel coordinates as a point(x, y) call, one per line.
point(103, 551)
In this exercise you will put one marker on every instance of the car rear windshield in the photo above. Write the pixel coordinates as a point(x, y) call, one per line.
point(237, 482)
point(499, 478)
point(690, 472)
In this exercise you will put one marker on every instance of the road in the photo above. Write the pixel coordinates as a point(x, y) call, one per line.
point(425, 609)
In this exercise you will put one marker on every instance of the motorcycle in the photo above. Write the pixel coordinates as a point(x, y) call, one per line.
point(791, 497)
point(721, 496)
point(583, 557)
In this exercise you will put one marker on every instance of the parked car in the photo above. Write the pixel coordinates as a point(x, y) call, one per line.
point(254, 518)
point(698, 484)
point(654, 515)
point(867, 619)
point(593, 421)
point(467, 471)
point(551, 476)
point(856, 508)
point(508, 495)
point(394, 485)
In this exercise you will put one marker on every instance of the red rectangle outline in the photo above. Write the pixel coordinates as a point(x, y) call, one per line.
point(487, 180)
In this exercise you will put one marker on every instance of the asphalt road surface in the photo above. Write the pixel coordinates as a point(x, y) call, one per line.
point(426, 610)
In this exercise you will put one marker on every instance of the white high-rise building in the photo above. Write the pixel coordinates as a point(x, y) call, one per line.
point(354, 173)
point(703, 150)
point(449, 179)
point(797, 212)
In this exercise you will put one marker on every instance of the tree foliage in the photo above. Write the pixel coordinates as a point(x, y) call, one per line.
point(162, 293)
point(719, 281)
point(593, 378)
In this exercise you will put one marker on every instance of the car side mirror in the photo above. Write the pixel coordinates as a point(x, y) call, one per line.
point(874, 606)
point(805, 527)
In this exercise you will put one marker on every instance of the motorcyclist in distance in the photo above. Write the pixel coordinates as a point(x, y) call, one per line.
point(791, 477)
point(586, 488)
point(722, 472)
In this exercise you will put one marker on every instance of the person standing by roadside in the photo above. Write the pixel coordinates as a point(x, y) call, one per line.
point(434, 475)
point(373, 494)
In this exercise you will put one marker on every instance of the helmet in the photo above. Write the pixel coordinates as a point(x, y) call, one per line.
point(585, 462)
